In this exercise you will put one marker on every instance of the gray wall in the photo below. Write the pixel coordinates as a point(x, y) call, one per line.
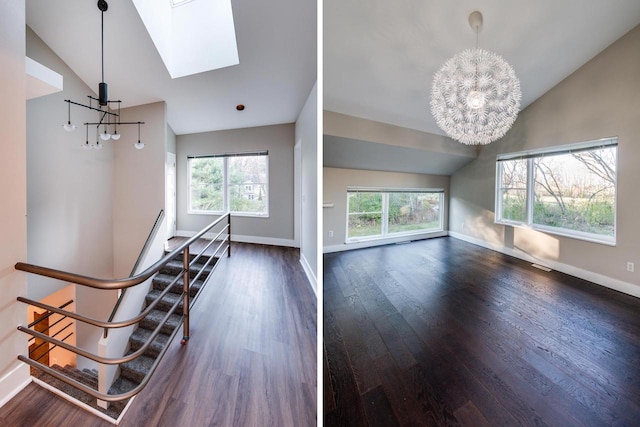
point(307, 131)
point(599, 100)
point(69, 203)
point(171, 140)
point(138, 182)
point(69, 188)
point(335, 183)
point(13, 191)
point(279, 141)
point(89, 211)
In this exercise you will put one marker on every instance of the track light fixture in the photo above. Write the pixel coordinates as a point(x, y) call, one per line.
point(102, 106)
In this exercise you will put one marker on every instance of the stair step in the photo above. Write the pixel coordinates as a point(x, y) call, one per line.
point(136, 369)
point(192, 256)
point(161, 281)
point(133, 372)
point(87, 378)
point(122, 385)
point(66, 388)
point(175, 267)
point(166, 302)
point(155, 316)
point(91, 372)
point(141, 336)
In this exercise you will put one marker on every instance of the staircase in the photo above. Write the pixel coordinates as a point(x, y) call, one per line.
point(132, 373)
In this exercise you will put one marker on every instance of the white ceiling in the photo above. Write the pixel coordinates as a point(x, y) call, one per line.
point(380, 56)
point(277, 70)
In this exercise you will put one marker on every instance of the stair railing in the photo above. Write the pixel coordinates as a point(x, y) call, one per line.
point(106, 284)
point(143, 253)
point(48, 328)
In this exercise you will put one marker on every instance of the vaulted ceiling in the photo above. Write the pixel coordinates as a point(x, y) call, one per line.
point(276, 47)
point(380, 56)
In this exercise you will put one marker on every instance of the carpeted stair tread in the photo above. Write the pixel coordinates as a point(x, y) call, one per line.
point(175, 267)
point(161, 281)
point(87, 378)
point(155, 316)
point(75, 374)
point(166, 302)
point(122, 385)
point(141, 336)
point(136, 369)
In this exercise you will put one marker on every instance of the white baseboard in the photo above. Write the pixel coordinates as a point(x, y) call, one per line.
point(246, 239)
point(13, 382)
point(380, 242)
point(83, 405)
point(599, 279)
point(313, 280)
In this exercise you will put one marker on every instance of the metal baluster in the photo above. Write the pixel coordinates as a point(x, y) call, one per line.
point(185, 288)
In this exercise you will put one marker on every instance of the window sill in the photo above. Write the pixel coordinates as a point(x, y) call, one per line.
point(233, 214)
point(392, 236)
point(558, 232)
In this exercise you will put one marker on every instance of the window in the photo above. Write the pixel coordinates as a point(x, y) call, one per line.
point(378, 213)
point(237, 182)
point(365, 214)
point(569, 190)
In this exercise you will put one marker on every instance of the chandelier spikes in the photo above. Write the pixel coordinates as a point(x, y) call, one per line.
point(475, 96)
point(103, 107)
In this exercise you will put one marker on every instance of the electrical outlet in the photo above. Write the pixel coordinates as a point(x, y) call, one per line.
point(330, 233)
point(630, 267)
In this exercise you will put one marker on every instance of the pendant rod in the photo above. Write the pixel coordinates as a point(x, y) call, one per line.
point(90, 108)
point(123, 123)
point(102, 42)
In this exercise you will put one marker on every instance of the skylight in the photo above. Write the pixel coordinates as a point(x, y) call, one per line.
point(196, 37)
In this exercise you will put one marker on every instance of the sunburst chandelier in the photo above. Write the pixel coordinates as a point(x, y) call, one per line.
point(475, 96)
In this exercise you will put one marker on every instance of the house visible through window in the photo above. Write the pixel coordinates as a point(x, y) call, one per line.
point(379, 213)
point(237, 182)
point(568, 190)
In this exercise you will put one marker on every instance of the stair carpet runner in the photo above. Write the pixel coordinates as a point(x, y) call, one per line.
point(132, 373)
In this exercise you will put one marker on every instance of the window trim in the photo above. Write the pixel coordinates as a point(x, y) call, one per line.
point(225, 184)
point(385, 212)
point(530, 157)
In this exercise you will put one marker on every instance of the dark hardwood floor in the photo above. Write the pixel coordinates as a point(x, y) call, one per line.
point(251, 359)
point(442, 332)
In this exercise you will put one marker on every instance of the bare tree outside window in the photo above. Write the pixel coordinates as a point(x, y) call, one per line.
point(572, 192)
point(576, 191)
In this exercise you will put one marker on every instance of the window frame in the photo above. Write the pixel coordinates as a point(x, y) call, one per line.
point(226, 196)
point(385, 234)
point(531, 156)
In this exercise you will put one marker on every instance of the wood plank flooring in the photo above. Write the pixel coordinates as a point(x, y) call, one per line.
point(251, 360)
point(444, 333)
